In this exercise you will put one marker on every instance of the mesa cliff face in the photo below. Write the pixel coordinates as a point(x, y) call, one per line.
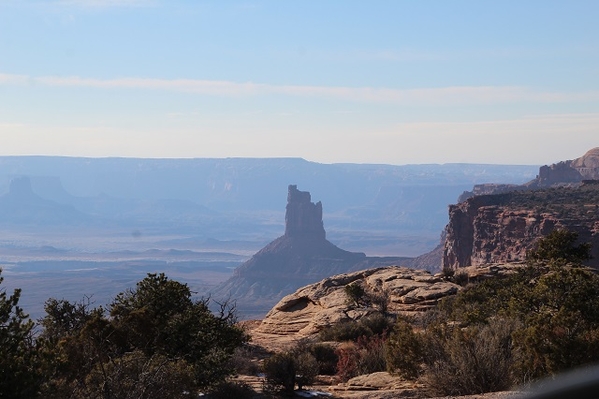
point(300, 257)
point(497, 223)
point(501, 228)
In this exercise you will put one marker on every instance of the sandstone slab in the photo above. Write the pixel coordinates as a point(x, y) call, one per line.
point(317, 306)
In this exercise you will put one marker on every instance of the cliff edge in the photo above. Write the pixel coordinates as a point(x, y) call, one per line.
point(500, 228)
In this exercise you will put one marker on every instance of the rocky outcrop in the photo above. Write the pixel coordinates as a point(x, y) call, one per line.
point(500, 222)
point(503, 227)
point(573, 171)
point(316, 306)
point(301, 256)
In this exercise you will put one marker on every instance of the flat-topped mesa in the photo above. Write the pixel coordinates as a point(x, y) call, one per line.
point(303, 218)
point(21, 187)
point(565, 173)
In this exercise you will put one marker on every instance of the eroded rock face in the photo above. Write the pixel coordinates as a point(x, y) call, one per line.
point(499, 222)
point(316, 306)
point(303, 218)
point(573, 171)
point(503, 227)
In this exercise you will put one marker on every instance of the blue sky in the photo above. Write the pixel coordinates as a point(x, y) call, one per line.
point(512, 82)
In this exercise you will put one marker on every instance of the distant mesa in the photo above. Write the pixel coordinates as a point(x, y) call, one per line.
point(564, 173)
point(301, 256)
point(572, 171)
point(20, 187)
point(22, 206)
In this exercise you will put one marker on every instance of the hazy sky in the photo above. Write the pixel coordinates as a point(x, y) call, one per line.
point(330, 81)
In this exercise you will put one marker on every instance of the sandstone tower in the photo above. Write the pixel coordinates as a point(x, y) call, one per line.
point(303, 218)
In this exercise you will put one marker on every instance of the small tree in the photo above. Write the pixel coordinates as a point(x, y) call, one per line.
point(405, 351)
point(280, 371)
point(159, 316)
point(380, 300)
point(156, 342)
point(560, 245)
point(285, 370)
point(355, 294)
point(18, 356)
point(63, 317)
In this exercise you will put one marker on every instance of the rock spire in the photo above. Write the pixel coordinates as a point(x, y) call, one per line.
point(303, 218)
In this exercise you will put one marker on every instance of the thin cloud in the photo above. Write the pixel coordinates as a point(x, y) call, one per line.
point(13, 79)
point(213, 87)
point(106, 3)
point(456, 95)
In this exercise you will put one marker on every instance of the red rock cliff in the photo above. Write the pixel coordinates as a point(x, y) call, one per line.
point(502, 227)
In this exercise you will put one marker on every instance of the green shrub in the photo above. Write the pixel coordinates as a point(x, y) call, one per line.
point(232, 390)
point(377, 323)
point(156, 342)
point(461, 278)
point(306, 367)
point(18, 356)
point(550, 313)
point(560, 244)
point(470, 361)
point(283, 371)
point(351, 330)
point(365, 356)
point(279, 372)
point(326, 357)
point(242, 361)
point(404, 351)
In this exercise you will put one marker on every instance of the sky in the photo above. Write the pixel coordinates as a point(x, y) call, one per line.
point(393, 82)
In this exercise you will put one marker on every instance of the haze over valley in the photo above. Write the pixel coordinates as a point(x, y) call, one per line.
point(82, 226)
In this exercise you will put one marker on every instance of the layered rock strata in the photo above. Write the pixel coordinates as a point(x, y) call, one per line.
point(316, 306)
point(503, 227)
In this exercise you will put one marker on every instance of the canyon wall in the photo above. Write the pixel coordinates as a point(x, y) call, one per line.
point(496, 223)
point(501, 228)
